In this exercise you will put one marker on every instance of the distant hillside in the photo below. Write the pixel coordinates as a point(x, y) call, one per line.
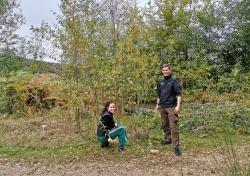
point(12, 63)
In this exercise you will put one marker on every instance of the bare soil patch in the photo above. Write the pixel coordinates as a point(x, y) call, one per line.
point(192, 162)
point(197, 164)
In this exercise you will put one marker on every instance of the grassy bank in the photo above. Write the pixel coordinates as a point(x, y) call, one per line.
point(73, 147)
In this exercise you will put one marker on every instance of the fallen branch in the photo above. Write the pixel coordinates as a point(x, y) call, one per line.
point(132, 110)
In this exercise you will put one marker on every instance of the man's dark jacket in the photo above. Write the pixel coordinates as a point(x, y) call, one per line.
point(167, 90)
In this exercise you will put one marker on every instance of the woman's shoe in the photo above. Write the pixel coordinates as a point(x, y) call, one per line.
point(106, 144)
point(121, 149)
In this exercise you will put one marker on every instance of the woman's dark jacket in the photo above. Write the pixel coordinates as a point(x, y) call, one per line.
point(106, 123)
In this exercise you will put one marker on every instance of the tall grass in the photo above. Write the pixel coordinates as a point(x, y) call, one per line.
point(232, 164)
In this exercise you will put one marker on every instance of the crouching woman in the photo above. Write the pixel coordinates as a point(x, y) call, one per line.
point(107, 128)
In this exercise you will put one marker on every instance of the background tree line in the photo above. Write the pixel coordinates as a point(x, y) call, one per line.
point(113, 49)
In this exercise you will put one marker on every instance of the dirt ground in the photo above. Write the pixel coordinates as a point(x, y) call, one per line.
point(186, 165)
point(204, 163)
point(208, 163)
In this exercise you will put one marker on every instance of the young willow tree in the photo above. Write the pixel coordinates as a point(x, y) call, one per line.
point(128, 77)
point(80, 43)
point(103, 52)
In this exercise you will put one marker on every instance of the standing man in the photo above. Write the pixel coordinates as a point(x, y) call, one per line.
point(169, 104)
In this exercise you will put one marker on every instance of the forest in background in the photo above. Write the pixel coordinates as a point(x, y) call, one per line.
point(114, 50)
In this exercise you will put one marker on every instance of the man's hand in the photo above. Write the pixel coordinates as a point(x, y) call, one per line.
point(177, 109)
point(157, 105)
point(156, 108)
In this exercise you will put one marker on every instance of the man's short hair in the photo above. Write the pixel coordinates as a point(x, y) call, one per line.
point(165, 65)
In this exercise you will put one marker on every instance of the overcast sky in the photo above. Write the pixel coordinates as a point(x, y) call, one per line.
point(35, 11)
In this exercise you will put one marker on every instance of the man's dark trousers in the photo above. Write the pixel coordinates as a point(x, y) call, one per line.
point(170, 125)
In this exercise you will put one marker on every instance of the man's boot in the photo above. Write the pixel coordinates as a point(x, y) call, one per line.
point(165, 142)
point(177, 151)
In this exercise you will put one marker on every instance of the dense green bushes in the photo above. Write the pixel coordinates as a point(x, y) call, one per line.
point(124, 65)
point(201, 119)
